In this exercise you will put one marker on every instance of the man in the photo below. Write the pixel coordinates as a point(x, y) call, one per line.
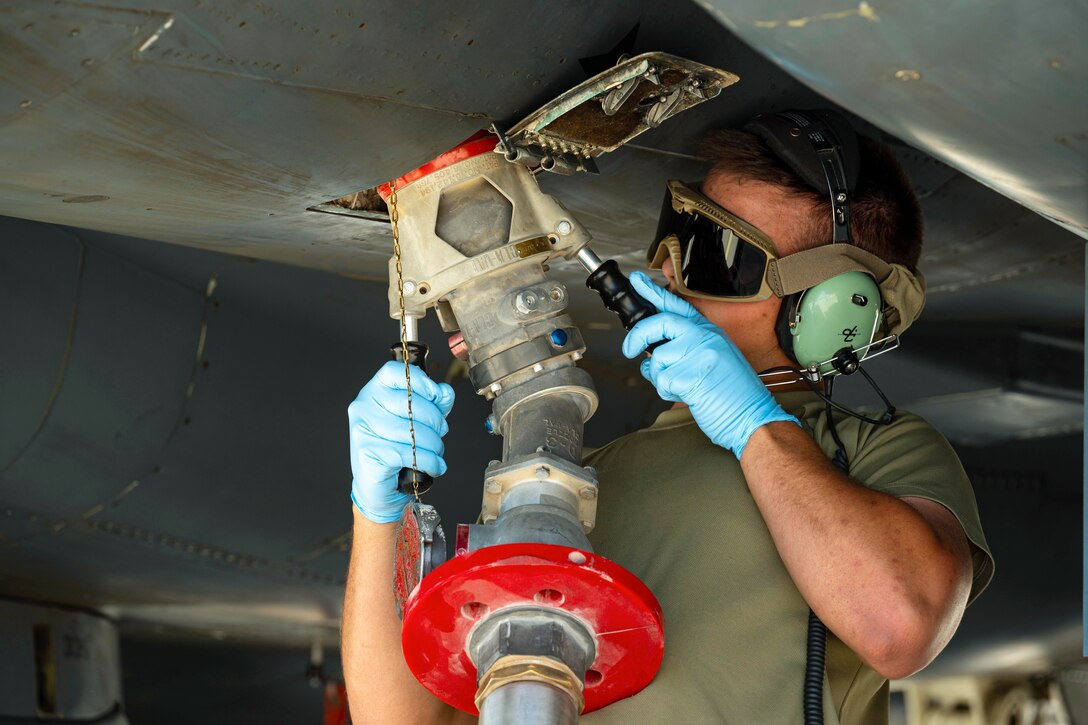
point(728, 507)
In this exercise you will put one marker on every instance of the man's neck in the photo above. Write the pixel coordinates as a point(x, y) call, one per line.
point(797, 386)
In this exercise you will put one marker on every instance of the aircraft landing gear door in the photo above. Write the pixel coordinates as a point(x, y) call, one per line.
point(525, 624)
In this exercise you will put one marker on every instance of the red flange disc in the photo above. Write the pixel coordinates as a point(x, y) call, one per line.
point(622, 612)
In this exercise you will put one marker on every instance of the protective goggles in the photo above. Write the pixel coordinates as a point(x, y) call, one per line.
point(719, 256)
point(714, 254)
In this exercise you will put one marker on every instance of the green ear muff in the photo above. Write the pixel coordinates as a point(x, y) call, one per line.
point(843, 312)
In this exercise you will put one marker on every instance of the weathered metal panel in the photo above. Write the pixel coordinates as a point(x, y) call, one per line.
point(218, 124)
point(994, 89)
point(119, 389)
point(224, 505)
point(40, 272)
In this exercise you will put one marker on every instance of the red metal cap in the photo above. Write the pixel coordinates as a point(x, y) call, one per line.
point(624, 615)
point(481, 142)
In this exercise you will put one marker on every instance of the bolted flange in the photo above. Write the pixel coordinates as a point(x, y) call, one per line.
point(619, 611)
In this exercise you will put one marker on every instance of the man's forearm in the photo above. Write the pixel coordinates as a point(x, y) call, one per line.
point(889, 578)
point(380, 687)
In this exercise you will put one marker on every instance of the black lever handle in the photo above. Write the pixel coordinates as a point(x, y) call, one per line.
point(409, 480)
point(620, 296)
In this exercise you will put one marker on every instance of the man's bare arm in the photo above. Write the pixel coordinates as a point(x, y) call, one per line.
point(890, 577)
point(380, 687)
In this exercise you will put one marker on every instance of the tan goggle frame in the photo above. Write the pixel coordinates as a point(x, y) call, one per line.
point(686, 200)
point(902, 291)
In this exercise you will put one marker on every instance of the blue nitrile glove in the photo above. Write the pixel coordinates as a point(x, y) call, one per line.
point(699, 365)
point(381, 444)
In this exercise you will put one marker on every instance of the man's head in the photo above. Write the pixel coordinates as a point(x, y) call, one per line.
point(748, 180)
point(885, 217)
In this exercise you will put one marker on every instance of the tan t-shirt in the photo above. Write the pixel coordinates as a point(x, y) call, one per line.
point(675, 510)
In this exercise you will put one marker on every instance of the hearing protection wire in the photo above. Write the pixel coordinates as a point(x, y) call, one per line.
point(815, 654)
point(802, 376)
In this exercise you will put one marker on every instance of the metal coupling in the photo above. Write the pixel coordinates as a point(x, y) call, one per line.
point(526, 668)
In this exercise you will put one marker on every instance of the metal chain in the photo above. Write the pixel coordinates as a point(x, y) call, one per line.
point(394, 218)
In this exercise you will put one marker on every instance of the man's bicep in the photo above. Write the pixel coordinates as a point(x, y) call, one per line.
point(913, 462)
point(948, 529)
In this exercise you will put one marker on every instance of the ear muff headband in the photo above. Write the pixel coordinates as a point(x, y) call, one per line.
point(822, 148)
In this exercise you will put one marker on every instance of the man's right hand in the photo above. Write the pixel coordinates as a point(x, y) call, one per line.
point(700, 366)
point(381, 444)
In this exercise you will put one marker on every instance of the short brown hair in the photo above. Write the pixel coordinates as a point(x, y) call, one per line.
point(885, 217)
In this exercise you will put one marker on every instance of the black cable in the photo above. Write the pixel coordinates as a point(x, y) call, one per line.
point(889, 409)
point(884, 419)
point(814, 670)
point(840, 460)
point(816, 645)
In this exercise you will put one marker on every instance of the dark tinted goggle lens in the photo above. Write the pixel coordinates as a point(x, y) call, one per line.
point(713, 259)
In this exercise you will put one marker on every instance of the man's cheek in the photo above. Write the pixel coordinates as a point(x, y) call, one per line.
point(706, 308)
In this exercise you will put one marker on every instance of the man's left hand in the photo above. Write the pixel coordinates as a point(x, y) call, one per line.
point(700, 366)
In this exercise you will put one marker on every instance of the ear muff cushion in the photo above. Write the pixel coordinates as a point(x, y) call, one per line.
point(782, 325)
point(786, 134)
point(844, 311)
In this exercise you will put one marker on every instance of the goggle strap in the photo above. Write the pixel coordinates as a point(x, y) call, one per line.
point(800, 271)
point(903, 291)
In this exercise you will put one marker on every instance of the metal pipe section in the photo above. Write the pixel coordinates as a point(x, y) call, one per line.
point(510, 322)
point(532, 662)
point(528, 703)
point(553, 421)
point(519, 337)
point(411, 328)
point(589, 259)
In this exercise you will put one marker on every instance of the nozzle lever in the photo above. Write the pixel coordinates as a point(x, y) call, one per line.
point(616, 291)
